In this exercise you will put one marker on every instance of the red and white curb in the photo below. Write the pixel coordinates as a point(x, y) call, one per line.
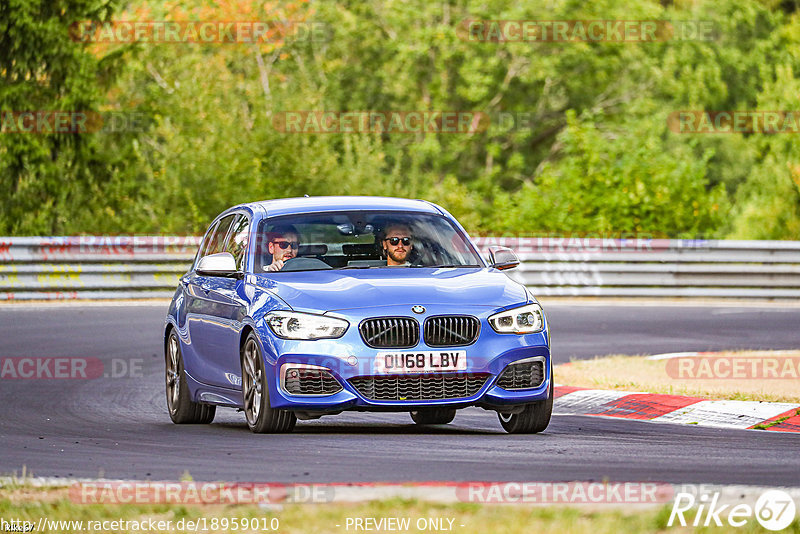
point(774, 416)
point(660, 408)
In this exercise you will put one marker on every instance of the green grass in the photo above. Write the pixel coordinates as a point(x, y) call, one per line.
point(29, 503)
point(764, 426)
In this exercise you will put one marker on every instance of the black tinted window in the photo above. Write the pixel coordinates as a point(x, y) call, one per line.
point(202, 251)
point(237, 241)
point(217, 242)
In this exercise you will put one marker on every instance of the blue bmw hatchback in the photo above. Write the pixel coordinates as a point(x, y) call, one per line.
point(304, 307)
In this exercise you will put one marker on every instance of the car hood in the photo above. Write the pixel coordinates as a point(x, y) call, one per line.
point(350, 289)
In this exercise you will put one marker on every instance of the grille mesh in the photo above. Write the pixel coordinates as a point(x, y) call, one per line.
point(522, 376)
point(451, 330)
point(311, 382)
point(419, 387)
point(390, 332)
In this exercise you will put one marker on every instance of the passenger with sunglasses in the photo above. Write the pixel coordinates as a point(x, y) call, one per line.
point(397, 244)
point(283, 244)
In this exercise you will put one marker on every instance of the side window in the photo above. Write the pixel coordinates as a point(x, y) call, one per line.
point(237, 242)
point(203, 250)
point(217, 243)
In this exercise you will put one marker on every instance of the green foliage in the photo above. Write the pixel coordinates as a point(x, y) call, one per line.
point(47, 179)
point(626, 179)
point(578, 140)
point(768, 202)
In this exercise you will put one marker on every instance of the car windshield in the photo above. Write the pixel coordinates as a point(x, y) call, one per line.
point(360, 240)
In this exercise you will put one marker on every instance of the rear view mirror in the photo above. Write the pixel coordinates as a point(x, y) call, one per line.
point(502, 258)
point(220, 264)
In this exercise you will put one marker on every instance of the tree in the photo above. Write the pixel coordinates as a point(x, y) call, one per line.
point(50, 182)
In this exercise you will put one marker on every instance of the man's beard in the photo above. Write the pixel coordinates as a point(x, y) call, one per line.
point(397, 258)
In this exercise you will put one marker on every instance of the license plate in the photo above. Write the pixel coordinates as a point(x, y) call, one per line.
point(420, 362)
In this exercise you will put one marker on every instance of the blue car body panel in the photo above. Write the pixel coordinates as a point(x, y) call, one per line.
point(212, 316)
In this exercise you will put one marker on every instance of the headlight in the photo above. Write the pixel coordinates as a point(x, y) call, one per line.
point(527, 319)
point(296, 325)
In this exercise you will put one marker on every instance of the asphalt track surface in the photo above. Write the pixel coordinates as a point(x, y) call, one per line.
point(119, 427)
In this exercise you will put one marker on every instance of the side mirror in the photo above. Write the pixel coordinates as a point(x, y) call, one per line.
point(502, 258)
point(220, 264)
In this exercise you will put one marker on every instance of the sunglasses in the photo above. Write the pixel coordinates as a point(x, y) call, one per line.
point(286, 244)
point(395, 240)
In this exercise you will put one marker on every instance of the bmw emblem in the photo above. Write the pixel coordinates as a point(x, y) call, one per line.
point(418, 309)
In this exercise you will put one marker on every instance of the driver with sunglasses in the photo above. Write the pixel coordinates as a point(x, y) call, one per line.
point(283, 244)
point(397, 244)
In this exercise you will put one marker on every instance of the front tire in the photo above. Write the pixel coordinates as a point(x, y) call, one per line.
point(437, 416)
point(534, 418)
point(261, 418)
point(182, 410)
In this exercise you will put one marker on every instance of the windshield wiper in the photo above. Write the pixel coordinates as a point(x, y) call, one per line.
point(446, 265)
point(440, 266)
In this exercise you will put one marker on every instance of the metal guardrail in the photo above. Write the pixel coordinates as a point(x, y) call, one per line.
point(123, 267)
point(656, 267)
point(93, 267)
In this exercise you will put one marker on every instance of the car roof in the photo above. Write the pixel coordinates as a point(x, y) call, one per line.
point(292, 206)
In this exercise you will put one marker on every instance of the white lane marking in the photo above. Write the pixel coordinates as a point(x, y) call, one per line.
point(670, 355)
point(744, 310)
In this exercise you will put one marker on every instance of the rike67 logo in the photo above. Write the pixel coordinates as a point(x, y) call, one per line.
point(774, 510)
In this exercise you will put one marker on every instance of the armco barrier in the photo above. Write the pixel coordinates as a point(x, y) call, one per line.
point(121, 267)
point(655, 267)
point(93, 267)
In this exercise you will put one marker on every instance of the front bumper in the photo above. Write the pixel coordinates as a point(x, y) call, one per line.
point(348, 358)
